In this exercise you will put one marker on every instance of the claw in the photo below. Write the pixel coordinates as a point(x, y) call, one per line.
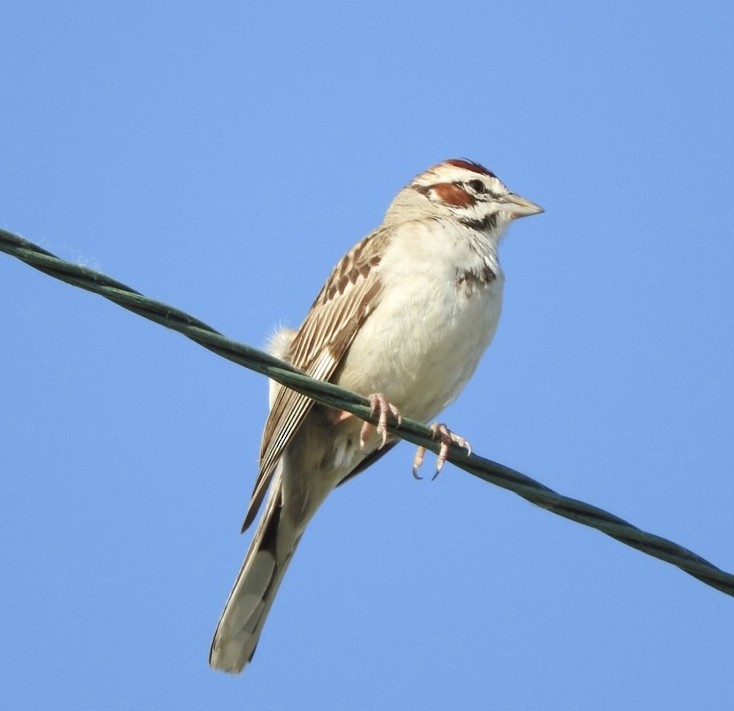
point(447, 438)
point(381, 409)
point(418, 461)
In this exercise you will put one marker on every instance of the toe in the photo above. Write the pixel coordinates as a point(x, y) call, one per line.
point(418, 461)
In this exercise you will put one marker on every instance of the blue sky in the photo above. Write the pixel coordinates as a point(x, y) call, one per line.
point(221, 158)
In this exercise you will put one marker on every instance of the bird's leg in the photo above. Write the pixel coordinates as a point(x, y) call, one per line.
point(381, 409)
point(447, 438)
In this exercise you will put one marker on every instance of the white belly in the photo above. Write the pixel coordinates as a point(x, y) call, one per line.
point(424, 340)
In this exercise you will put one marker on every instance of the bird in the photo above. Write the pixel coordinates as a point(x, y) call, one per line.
point(403, 318)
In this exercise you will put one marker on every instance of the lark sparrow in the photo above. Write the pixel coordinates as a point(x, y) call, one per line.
point(404, 317)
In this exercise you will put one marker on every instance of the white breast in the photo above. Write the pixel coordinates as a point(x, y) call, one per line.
point(425, 338)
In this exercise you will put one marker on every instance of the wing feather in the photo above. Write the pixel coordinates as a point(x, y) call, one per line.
point(348, 297)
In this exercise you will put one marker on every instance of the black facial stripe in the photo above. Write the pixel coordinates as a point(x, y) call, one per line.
point(488, 222)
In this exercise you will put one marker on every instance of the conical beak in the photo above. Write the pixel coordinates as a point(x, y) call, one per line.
point(518, 206)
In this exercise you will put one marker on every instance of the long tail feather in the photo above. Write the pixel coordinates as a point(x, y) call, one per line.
point(241, 623)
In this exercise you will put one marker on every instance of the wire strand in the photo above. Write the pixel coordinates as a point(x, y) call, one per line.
point(334, 396)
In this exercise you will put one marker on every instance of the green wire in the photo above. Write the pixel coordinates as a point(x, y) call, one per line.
point(333, 396)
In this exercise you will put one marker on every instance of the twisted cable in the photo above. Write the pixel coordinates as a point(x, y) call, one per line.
point(336, 397)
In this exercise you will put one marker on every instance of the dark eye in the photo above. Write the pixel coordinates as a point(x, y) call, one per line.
point(477, 186)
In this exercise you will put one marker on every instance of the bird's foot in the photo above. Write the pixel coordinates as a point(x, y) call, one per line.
point(447, 438)
point(381, 409)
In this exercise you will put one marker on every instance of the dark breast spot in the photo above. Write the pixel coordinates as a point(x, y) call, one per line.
point(475, 279)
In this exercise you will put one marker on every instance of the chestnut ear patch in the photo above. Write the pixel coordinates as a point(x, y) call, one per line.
point(454, 194)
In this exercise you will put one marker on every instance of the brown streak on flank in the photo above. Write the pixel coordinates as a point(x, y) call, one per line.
point(469, 165)
point(453, 194)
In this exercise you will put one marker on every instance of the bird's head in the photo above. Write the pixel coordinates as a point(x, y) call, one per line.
point(464, 190)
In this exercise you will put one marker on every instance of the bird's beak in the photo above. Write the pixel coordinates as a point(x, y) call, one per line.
point(518, 206)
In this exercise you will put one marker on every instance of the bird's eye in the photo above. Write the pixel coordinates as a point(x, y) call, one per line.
point(477, 186)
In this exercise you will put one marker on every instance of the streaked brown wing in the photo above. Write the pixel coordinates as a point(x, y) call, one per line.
point(348, 297)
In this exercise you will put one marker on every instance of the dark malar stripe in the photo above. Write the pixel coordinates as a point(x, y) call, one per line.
point(486, 224)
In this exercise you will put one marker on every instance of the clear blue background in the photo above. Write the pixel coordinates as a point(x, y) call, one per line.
point(221, 157)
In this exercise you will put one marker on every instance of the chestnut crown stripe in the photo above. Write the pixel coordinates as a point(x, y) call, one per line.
point(470, 165)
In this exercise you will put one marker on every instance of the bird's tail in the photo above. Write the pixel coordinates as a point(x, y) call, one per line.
point(253, 593)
